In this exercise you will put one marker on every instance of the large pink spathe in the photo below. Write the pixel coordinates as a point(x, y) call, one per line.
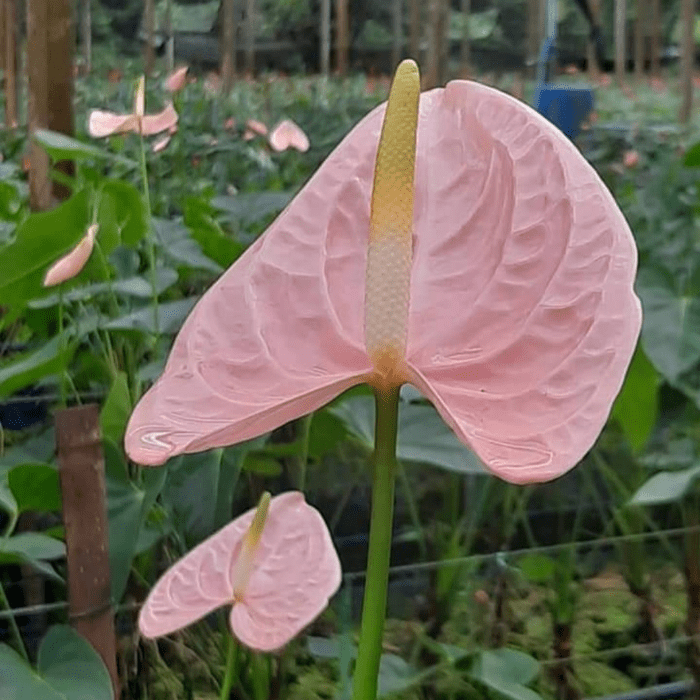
point(296, 571)
point(522, 316)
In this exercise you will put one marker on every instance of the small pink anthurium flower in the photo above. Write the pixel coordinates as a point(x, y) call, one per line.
point(473, 253)
point(102, 123)
point(288, 134)
point(254, 128)
point(177, 80)
point(73, 262)
point(276, 565)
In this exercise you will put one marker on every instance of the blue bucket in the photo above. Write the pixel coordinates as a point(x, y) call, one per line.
point(566, 107)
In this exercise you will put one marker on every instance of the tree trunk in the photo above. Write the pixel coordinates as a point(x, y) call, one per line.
point(170, 40)
point(591, 57)
point(228, 46)
point(655, 32)
point(436, 59)
point(397, 31)
point(342, 41)
point(149, 20)
point(687, 56)
point(250, 39)
point(639, 39)
point(10, 17)
point(534, 35)
point(414, 31)
point(325, 38)
point(86, 35)
point(620, 40)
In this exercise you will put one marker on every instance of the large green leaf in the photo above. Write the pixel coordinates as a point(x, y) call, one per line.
point(62, 147)
point(200, 218)
point(127, 207)
point(249, 207)
point(35, 487)
point(33, 548)
point(116, 409)
point(180, 248)
point(396, 676)
point(507, 672)
point(666, 487)
point(171, 316)
point(671, 328)
point(68, 668)
point(40, 240)
point(636, 406)
point(423, 436)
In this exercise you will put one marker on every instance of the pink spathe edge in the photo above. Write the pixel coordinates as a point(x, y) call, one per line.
point(102, 123)
point(296, 572)
point(286, 135)
point(522, 317)
point(73, 262)
point(177, 80)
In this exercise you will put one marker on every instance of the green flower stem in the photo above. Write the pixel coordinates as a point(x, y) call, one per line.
point(376, 582)
point(230, 675)
point(149, 237)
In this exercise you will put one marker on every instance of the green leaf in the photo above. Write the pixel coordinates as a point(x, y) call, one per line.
point(171, 316)
point(7, 500)
point(200, 218)
point(396, 676)
point(692, 156)
point(263, 465)
point(70, 665)
point(29, 367)
point(423, 435)
point(35, 487)
point(40, 240)
point(62, 147)
point(538, 568)
point(33, 545)
point(116, 409)
point(19, 681)
point(129, 210)
point(636, 406)
point(177, 245)
point(249, 207)
point(666, 487)
point(507, 672)
point(671, 328)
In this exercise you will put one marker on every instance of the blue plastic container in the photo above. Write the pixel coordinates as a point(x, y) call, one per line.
point(565, 106)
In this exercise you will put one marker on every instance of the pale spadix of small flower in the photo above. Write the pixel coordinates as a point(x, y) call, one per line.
point(177, 80)
point(521, 317)
point(73, 262)
point(288, 134)
point(102, 123)
point(276, 565)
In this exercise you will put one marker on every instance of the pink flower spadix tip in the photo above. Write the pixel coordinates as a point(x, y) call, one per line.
point(276, 565)
point(72, 263)
point(288, 134)
point(472, 252)
point(102, 123)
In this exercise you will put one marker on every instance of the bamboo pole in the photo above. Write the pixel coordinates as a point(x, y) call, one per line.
point(397, 31)
point(149, 21)
point(620, 40)
point(342, 42)
point(325, 37)
point(82, 475)
point(10, 17)
point(414, 28)
point(250, 39)
point(228, 46)
point(687, 56)
point(639, 39)
point(465, 46)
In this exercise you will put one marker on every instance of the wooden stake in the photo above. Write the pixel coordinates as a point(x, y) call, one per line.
point(250, 39)
point(342, 44)
point(620, 40)
point(534, 31)
point(415, 16)
point(397, 31)
point(82, 478)
point(228, 46)
point(325, 37)
point(149, 26)
point(10, 17)
point(687, 58)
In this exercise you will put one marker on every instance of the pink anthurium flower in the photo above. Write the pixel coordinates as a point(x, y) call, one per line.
point(177, 80)
point(275, 565)
point(254, 128)
point(73, 262)
point(102, 123)
point(497, 280)
point(288, 134)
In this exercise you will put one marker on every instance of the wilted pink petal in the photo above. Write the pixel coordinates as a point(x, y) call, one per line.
point(72, 263)
point(286, 135)
point(161, 143)
point(163, 121)
point(101, 123)
point(296, 571)
point(522, 317)
point(177, 80)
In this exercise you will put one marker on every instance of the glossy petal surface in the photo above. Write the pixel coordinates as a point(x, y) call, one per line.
point(102, 123)
point(288, 134)
point(177, 79)
point(162, 121)
point(73, 262)
point(522, 318)
point(296, 571)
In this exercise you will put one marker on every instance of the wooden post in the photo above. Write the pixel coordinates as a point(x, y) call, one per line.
point(533, 36)
point(415, 16)
point(655, 33)
point(443, 42)
point(437, 44)
point(149, 26)
point(591, 55)
point(687, 58)
point(82, 478)
point(228, 46)
point(465, 46)
point(639, 39)
point(342, 41)
point(170, 40)
point(620, 40)
point(250, 39)
point(397, 31)
point(86, 35)
point(10, 22)
point(325, 37)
